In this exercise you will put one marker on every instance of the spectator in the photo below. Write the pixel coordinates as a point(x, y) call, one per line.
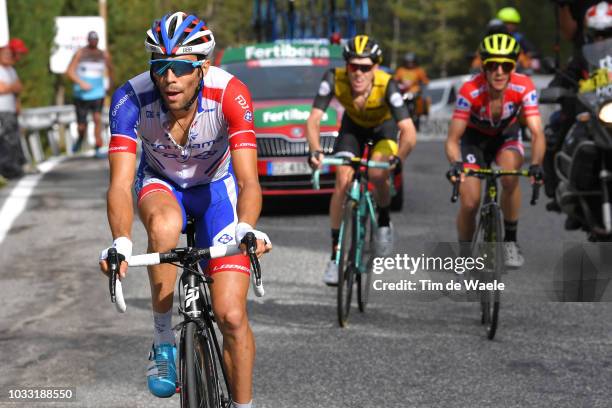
point(86, 70)
point(18, 48)
point(11, 155)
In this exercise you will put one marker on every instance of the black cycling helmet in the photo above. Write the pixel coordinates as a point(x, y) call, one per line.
point(362, 46)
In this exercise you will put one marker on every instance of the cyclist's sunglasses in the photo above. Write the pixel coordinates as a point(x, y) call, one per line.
point(179, 67)
point(359, 67)
point(492, 66)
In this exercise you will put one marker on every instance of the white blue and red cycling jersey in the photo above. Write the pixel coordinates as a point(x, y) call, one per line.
point(199, 174)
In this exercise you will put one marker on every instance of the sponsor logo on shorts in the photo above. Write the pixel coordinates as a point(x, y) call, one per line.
point(230, 267)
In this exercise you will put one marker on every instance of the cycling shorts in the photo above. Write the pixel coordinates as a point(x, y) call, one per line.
point(83, 107)
point(479, 150)
point(212, 205)
point(352, 138)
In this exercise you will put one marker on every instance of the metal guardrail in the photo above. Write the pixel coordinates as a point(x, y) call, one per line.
point(59, 126)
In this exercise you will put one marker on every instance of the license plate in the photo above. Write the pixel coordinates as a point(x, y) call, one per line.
point(288, 168)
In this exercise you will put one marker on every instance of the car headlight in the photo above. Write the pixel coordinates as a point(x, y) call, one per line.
point(605, 113)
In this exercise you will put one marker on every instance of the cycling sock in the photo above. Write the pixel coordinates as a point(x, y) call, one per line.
point(383, 217)
point(510, 228)
point(162, 328)
point(247, 405)
point(335, 234)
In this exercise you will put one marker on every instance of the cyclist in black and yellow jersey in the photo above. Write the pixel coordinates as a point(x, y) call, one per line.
point(374, 108)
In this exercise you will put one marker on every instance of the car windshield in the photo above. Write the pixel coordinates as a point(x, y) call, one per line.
point(435, 94)
point(281, 81)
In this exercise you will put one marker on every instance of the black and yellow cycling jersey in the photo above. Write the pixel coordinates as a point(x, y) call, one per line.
point(383, 103)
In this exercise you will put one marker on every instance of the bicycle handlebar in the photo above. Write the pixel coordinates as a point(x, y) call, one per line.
point(343, 161)
point(190, 255)
point(535, 187)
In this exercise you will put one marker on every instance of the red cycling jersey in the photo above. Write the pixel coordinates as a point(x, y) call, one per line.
point(473, 103)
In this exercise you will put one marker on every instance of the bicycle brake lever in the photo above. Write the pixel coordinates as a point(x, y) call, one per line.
point(455, 195)
point(251, 243)
point(114, 260)
point(535, 194)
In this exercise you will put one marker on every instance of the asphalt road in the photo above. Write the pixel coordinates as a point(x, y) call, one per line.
point(410, 349)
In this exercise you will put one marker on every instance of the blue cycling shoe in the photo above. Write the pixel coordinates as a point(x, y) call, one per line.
point(161, 372)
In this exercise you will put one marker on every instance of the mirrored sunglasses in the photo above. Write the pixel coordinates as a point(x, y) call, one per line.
point(179, 67)
point(359, 67)
point(492, 66)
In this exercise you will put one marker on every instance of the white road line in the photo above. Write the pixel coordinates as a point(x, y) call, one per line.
point(18, 197)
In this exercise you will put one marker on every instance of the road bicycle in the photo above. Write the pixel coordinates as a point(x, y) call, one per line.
point(202, 378)
point(487, 242)
point(355, 252)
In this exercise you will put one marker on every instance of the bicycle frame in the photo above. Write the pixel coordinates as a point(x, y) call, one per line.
point(196, 308)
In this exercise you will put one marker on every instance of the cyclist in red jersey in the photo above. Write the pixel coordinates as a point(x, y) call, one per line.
point(485, 127)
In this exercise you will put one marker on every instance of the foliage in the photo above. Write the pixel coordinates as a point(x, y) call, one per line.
point(441, 32)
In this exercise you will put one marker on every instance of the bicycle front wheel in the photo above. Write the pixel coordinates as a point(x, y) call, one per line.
point(492, 247)
point(346, 262)
point(364, 277)
point(200, 383)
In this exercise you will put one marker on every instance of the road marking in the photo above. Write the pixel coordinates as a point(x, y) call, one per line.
point(18, 197)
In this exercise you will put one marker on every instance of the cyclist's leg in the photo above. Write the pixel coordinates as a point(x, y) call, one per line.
point(163, 217)
point(81, 114)
point(347, 145)
point(473, 156)
point(510, 157)
point(385, 137)
point(216, 220)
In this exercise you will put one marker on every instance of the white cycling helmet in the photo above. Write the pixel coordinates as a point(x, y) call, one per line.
point(598, 20)
point(178, 34)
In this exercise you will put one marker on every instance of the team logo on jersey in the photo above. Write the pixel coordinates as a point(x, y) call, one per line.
point(463, 103)
point(248, 116)
point(242, 102)
point(324, 88)
point(225, 239)
point(531, 99)
point(396, 100)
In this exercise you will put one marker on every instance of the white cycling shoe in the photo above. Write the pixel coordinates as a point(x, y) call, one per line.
point(330, 278)
point(513, 258)
point(383, 241)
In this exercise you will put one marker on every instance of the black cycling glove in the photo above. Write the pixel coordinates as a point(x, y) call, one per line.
point(394, 162)
point(455, 170)
point(537, 172)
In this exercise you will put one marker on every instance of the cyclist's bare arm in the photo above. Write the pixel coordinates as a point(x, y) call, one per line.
point(407, 138)
point(313, 128)
point(119, 199)
point(456, 129)
point(248, 208)
point(538, 141)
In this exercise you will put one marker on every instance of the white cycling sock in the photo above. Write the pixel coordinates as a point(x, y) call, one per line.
point(162, 328)
point(247, 405)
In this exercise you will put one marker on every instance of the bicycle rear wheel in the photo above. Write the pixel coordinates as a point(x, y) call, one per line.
point(492, 247)
point(200, 382)
point(346, 273)
point(364, 278)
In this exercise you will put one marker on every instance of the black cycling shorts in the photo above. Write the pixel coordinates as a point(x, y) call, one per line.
point(352, 138)
point(83, 107)
point(479, 150)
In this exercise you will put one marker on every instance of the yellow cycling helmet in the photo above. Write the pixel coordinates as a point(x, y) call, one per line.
point(386, 147)
point(499, 47)
point(509, 15)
